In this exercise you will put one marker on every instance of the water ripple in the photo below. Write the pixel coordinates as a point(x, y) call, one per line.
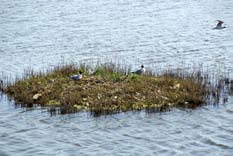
point(159, 34)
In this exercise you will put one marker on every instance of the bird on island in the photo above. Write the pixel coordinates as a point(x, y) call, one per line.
point(219, 25)
point(78, 76)
point(140, 71)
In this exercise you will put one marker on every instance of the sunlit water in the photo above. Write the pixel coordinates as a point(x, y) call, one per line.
point(160, 34)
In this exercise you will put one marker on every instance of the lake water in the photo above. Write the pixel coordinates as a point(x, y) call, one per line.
point(160, 34)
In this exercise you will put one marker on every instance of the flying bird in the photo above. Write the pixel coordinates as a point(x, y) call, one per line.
point(219, 25)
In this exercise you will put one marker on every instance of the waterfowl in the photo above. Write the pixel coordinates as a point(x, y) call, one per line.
point(77, 77)
point(140, 71)
point(219, 25)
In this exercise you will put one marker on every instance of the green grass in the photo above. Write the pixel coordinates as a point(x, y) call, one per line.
point(106, 90)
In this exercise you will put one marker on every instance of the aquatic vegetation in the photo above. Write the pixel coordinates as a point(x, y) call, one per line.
point(108, 89)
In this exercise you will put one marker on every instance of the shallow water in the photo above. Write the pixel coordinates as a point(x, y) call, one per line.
point(203, 131)
point(160, 34)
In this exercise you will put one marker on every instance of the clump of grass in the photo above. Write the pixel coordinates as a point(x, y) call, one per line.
point(108, 89)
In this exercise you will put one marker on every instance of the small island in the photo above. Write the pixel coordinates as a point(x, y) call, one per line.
point(107, 89)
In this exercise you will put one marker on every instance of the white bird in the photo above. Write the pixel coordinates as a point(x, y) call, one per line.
point(77, 77)
point(140, 71)
point(219, 25)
